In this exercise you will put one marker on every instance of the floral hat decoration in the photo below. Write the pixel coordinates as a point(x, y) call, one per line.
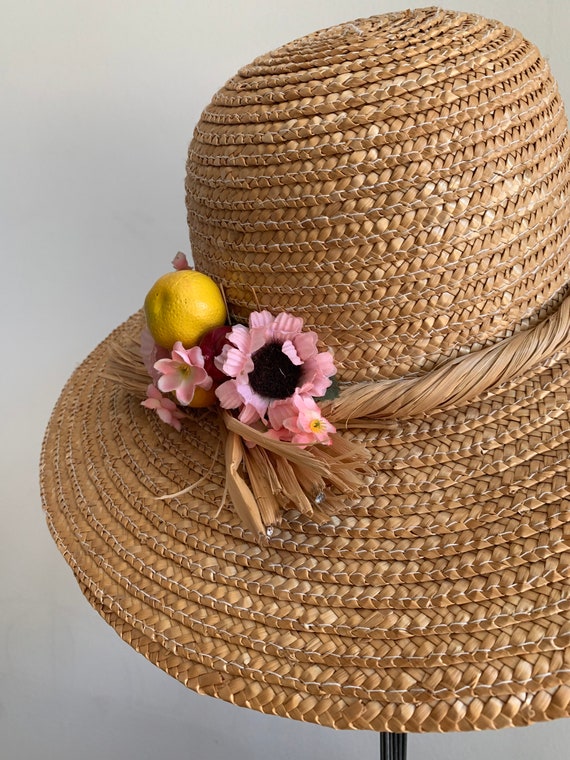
point(324, 472)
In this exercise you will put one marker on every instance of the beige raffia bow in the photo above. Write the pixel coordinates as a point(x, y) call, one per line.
point(265, 476)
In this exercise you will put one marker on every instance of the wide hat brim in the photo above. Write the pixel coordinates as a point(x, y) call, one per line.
point(438, 601)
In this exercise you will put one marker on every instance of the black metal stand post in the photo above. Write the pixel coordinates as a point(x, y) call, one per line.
point(393, 746)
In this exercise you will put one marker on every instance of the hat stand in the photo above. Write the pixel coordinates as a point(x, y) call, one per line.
point(393, 746)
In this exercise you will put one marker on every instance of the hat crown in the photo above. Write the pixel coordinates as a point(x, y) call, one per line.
point(400, 182)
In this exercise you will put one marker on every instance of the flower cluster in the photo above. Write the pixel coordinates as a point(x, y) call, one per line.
point(270, 373)
point(276, 372)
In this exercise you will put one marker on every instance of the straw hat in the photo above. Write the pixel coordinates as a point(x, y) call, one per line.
point(400, 183)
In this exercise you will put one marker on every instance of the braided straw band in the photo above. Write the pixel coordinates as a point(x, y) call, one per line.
point(316, 480)
point(459, 380)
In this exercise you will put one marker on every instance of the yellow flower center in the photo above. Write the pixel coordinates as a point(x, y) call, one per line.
point(316, 425)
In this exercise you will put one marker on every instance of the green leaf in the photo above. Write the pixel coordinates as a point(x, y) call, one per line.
point(332, 391)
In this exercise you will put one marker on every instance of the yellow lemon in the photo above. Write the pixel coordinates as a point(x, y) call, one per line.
point(203, 398)
point(183, 305)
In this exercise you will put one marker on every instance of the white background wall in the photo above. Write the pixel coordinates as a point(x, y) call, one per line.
point(98, 99)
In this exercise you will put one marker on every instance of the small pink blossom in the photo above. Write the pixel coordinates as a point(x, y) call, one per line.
point(298, 419)
point(183, 372)
point(180, 261)
point(268, 362)
point(164, 407)
point(151, 353)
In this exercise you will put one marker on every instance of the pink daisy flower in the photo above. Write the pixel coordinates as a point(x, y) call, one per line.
point(164, 407)
point(268, 362)
point(183, 372)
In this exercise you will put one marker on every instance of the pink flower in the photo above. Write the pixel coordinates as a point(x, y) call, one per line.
point(238, 395)
point(183, 372)
point(298, 419)
point(180, 261)
point(164, 407)
point(268, 362)
point(151, 353)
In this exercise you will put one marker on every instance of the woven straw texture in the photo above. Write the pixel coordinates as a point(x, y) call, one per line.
point(401, 183)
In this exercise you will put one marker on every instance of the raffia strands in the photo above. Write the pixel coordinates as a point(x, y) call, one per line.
point(242, 498)
point(125, 367)
point(283, 475)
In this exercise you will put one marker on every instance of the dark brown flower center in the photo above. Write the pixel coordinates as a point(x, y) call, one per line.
point(274, 375)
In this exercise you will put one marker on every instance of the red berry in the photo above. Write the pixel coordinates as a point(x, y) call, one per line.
point(211, 345)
